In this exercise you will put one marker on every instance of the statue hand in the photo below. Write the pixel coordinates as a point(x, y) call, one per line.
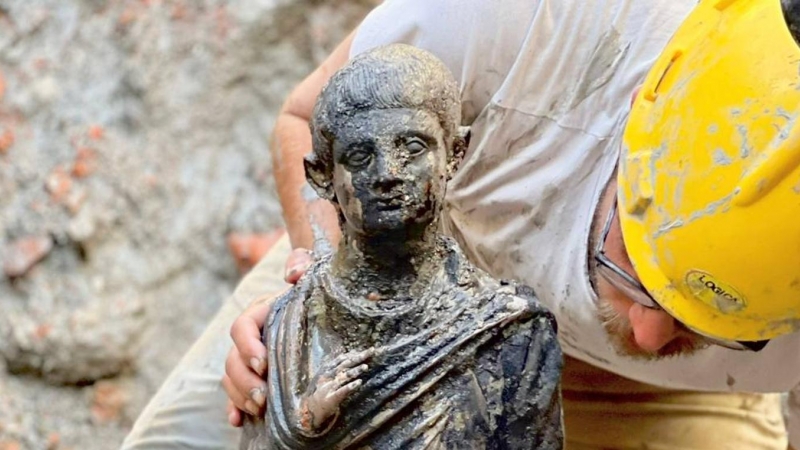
point(329, 388)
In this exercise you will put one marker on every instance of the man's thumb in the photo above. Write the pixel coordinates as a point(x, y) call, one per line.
point(296, 265)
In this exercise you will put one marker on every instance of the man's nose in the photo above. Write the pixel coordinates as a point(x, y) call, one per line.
point(653, 329)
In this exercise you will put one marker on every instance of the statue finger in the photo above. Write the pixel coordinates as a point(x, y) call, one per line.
point(345, 376)
point(339, 360)
point(352, 360)
point(327, 385)
point(355, 372)
point(340, 394)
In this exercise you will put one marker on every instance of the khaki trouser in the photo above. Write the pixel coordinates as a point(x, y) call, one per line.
point(605, 411)
point(602, 411)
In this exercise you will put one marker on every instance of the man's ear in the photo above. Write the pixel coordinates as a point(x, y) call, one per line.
point(460, 144)
point(318, 177)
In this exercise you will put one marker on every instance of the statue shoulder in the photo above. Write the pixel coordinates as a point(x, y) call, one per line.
point(302, 291)
point(513, 293)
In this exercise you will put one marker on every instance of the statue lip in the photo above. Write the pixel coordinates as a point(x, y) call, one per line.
point(389, 203)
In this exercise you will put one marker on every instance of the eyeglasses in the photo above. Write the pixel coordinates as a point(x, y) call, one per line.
point(633, 289)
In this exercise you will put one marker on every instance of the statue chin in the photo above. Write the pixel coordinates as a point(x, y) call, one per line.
point(394, 223)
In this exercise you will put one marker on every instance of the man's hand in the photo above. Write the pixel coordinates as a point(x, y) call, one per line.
point(247, 360)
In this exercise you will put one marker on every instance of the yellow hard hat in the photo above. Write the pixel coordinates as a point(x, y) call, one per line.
point(709, 175)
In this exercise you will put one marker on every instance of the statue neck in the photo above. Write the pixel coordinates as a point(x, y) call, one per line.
point(390, 264)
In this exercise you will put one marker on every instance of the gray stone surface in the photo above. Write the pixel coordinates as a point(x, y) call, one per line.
point(133, 140)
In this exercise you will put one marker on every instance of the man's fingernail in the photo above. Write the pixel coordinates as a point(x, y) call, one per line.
point(251, 407)
point(258, 364)
point(232, 418)
point(292, 272)
point(257, 395)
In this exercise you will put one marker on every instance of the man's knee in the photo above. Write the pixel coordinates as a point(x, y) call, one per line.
point(188, 411)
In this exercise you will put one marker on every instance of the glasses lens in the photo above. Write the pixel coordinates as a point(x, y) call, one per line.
point(627, 287)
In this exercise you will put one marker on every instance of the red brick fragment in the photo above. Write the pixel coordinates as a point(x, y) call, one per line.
point(58, 184)
point(53, 441)
point(107, 402)
point(128, 16)
point(6, 141)
point(96, 132)
point(74, 201)
point(41, 64)
point(42, 331)
point(24, 253)
point(178, 11)
point(85, 163)
point(223, 22)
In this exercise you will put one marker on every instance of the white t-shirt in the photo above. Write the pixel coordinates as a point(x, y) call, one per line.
point(546, 86)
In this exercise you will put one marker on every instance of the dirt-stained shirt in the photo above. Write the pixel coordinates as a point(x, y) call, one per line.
point(546, 87)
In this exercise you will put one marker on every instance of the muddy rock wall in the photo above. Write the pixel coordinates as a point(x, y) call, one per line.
point(133, 152)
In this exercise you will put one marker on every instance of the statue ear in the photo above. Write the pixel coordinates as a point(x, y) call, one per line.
point(318, 176)
point(460, 144)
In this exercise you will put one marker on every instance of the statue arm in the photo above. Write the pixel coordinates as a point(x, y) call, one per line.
point(532, 416)
point(303, 407)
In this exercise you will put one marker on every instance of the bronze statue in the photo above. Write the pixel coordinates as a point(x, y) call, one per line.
point(396, 341)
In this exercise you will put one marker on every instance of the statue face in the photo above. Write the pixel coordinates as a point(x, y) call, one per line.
point(390, 170)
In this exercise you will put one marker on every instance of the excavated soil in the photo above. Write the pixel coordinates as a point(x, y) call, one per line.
point(134, 186)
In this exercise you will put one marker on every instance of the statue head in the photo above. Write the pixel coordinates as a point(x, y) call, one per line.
point(385, 133)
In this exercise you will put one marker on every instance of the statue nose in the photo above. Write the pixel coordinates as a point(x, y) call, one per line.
point(386, 177)
point(387, 183)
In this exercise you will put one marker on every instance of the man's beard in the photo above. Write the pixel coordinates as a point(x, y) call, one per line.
point(622, 338)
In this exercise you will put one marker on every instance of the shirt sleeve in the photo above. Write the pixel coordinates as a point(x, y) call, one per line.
point(478, 40)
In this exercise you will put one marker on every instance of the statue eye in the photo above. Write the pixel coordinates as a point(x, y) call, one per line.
point(358, 158)
point(415, 146)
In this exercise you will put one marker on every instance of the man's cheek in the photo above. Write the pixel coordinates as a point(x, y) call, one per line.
point(618, 301)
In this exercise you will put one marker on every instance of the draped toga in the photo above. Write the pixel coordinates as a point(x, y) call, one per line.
point(474, 365)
